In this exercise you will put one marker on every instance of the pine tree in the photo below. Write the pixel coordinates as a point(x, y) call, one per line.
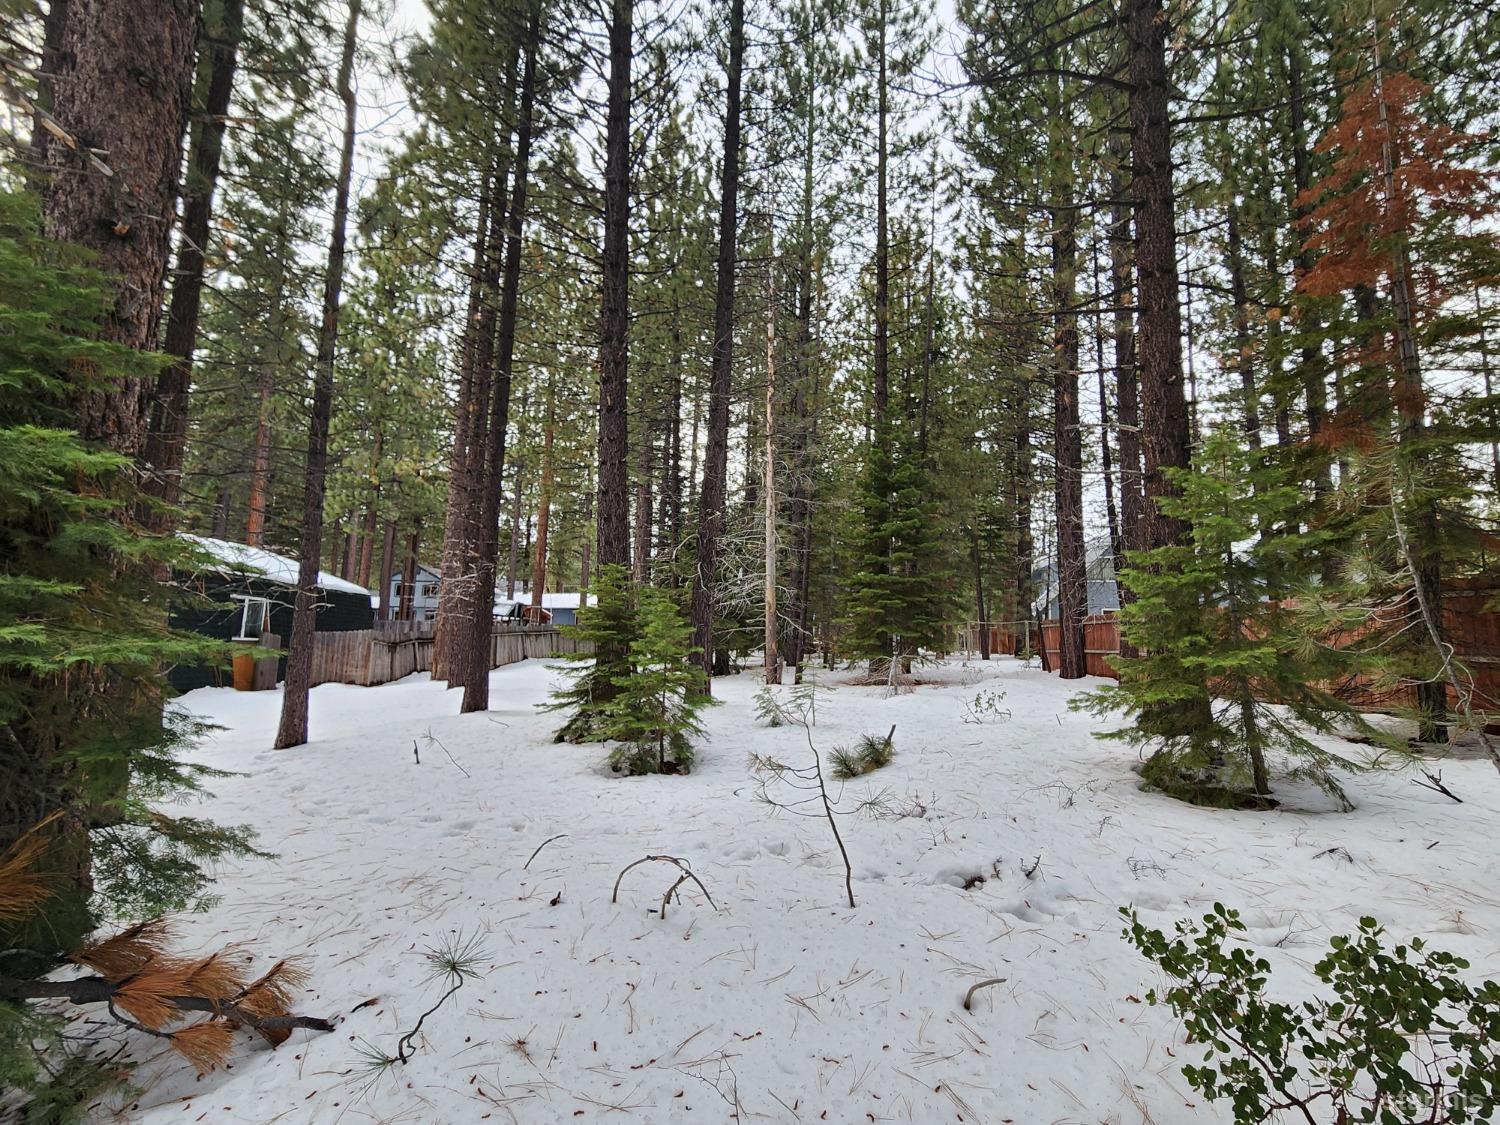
point(654, 715)
point(1386, 216)
point(1226, 627)
point(608, 629)
point(81, 780)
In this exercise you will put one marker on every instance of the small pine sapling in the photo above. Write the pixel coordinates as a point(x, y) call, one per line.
point(605, 631)
point(451, 964)
point(985, 707)
point(805, 780)
point(866, 756)
point(1404, 1039)
point(654, 711)
point(770, 710)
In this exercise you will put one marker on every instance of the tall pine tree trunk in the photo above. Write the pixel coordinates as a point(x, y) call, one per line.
point(260, 458)
point(613, 513)
point(881, 563)
point(799, 498)
point(1164, 418)
point(711, 498)
point(476, 671)
point(1067, 439)
point(406, 610)
point(166, 438)
point(371, 519)
point(1127, 384)
point(466, 422)
point(1106, 454)
point(1423, 544)
point(387, 569)
point(513, 565)
point(121, 84)
point(123, 87)
point(458, 601)
point(768, 490)
point(1024, 561)
point(640, 551)
point(543, 508)
point(1312, 369)
point(299, 658)
point(1244, 350)
point(1166, 440)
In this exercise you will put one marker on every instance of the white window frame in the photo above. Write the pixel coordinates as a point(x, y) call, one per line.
point(265, 616)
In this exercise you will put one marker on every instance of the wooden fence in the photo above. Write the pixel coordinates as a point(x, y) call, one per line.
point(1471, 627)
point(367, 657)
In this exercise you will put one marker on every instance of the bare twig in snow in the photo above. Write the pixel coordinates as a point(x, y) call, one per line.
point(686, 875)
point(543, 844)
point(969, 996)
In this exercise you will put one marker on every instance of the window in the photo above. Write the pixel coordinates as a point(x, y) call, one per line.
point(254, 617)
point(428, 590)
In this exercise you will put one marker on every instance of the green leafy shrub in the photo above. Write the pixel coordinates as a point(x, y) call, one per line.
point(1404, 1039)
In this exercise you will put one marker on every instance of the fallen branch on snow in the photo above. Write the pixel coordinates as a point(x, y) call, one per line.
point(686, 876)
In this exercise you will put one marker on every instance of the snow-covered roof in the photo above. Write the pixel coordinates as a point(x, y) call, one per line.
point(237, 558)
point(549, 601)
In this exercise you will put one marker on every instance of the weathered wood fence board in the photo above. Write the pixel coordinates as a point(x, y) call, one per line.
point(367, 657)
point(1471, 625)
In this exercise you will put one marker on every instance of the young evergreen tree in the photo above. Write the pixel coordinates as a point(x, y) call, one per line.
point(1219, 632)
point(608, 629)
point(654, 715)
point(81, 781)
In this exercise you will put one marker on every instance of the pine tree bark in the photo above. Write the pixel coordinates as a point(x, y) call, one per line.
point(293, 727)
point(980, 616)
point(640, 551)
point(1024, 561)
point(481, 626)
point(166, 438)
point(1067, 439)
point(1312, 368)
point(768, 490)
point(711, 497)
point(51, 64)
point(472, 396)
point(371, 519)
point(543, 509)
point(671, 480)
point(513, 566)
point(799, 494)
point(1424, 547)
point(1166, 442)
point(123, 86)
point(1106, 454)
point(407, 610)
point(1244, 350)
point(1127, 384)
point(260, 458)
point(880, 565)
point(613, 513)
point(387, 570)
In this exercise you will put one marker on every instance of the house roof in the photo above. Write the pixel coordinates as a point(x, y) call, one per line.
point(423, 570)
point(549, 601)
point(237, 558)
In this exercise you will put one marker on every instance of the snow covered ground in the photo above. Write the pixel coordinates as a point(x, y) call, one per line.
point(784, 1005)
